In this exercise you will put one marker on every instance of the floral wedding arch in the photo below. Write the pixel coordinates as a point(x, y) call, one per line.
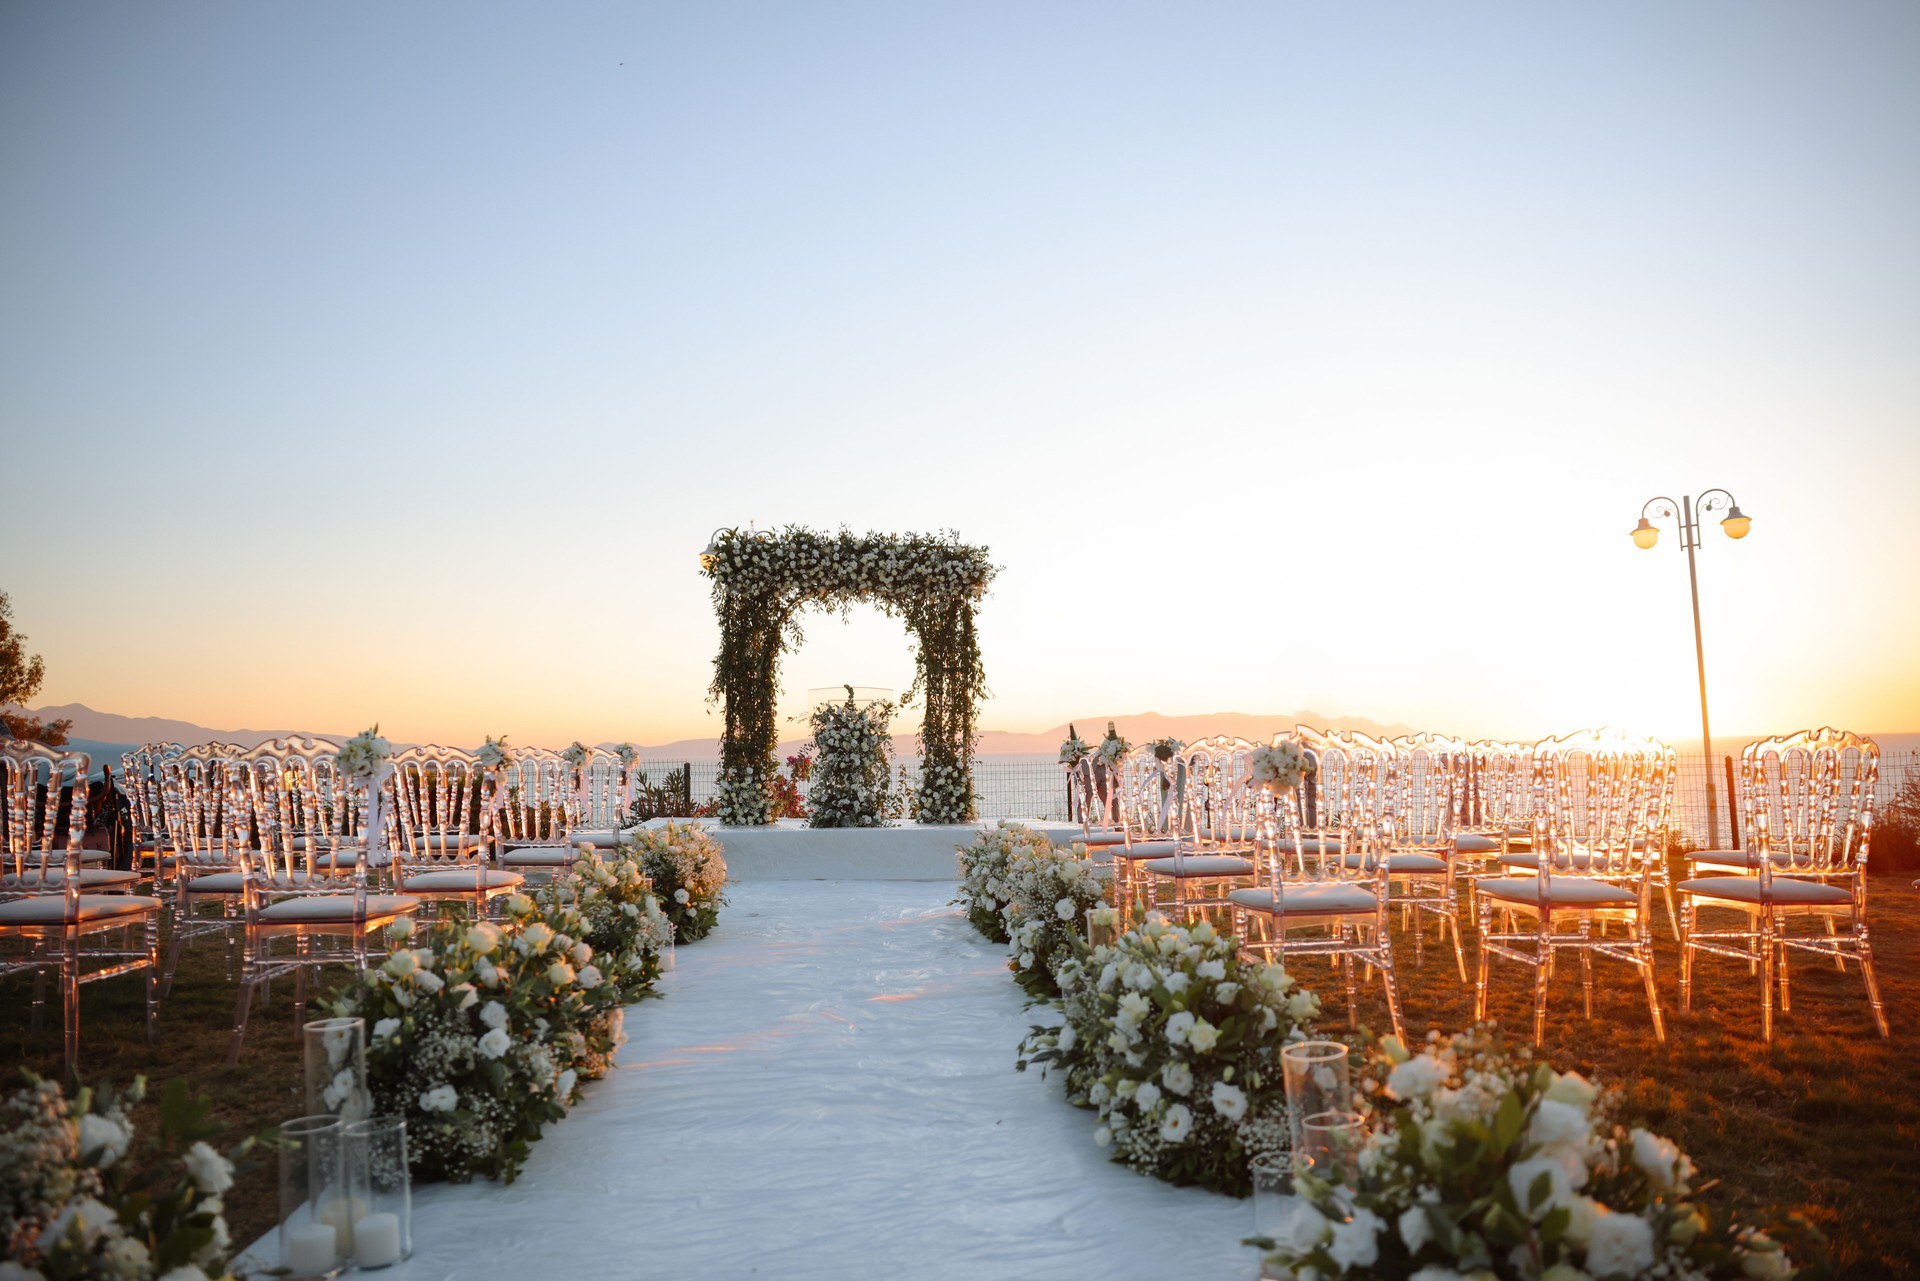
point(761, 582)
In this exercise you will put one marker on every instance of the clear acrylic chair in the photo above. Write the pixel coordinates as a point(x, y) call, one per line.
point(209, 822)
point(1221, 796)
point(442, 823)
point(1418, 803)
point(296, 890)
point(1322, 890)
point(1808, 816)
point(1163, 857)
point(140, 783)
point(47, 910)
point(1592, 800)
point(529, 800)
point(1094, 802)
point(602, 791)
point(1494, 813)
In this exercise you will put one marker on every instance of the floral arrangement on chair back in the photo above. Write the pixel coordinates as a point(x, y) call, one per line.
point(1174, 1036)
point(1113, 749)
point(1484, 1163)
point(73, 1206)
point(851, 776)
point(688, 870)
point(1073, 750)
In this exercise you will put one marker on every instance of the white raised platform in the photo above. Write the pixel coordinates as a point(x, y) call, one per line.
point(791, 851)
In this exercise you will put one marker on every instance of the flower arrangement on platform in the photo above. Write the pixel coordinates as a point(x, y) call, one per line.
point(493, 753)
point(688, 870)
point(608, 904)
point(363, 756)
point(1484, 1163)
point(985, 874)
point(1281, 767)
point(787, 800)
point(851, 773)
point(70, 1208)
point(1174, 1038)
point(1074, 750)
point(480, 1034)
point(761, 582)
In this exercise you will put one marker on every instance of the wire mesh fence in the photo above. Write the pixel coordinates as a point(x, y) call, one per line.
point(1029, 788)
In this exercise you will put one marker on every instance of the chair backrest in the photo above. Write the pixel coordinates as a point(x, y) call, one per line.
point(601, 791)
point(41, 786)
point(305, 812)
point(1497, 796)
point(1095, 799)
point(530, 798)
point(1152, 796)
point(1421, 798)
point(439, 808)
point(140, 783)
point(1596, 795)
point(1808, 799)
point(1326, 830)
point(1221, 798)
point(206, 808)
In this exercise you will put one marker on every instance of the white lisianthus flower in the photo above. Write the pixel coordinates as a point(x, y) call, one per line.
point(1212, 968)
point(1102, 1136)
point(1417, 1077)
point(1179, 1024)
point(441, 1098)
point(495, 1043)
point(1619, 1243)
point(1665, 1166)
point(401, 964)
point(1521, 1177)
point(537, 936)
point(590, 977)
point(400, 928)
point(1098, 1093)
point(126, 1257)
point(1026, 960)
point(1356, 1243)
point(103, 1139)
point(210, 1172)
point(428, 981)
point(1177, 981)
point(493, 1014)
point(1065, 910)
point(483, 938)
point(1146, 1095)
point(1204, 1036)
point(1177, 1124)
point(560, 974)
point(93, 1217)
point(1571, 1087)
point(469, 995)
point(1230, 1101)
point(582, 953)
point(385, 1028)
point(1415, 1230)
point(1559, 1125)
point(1177, 1077)
point(484, 970)
point(1133, 1009)
point(1067, 1037)
point(564, 1085)
point(681, 896)
point(1138, 977)
point(1306, 1229)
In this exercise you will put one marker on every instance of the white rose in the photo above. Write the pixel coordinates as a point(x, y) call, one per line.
point(1306, 1229)
point(1177, 981)
point(1558, 1125)
point(210, 1172)
point(536, 937)
point(1067, 1037)
point(1146, 1096)
point(441, 1098)
point(401, 964)
point(103, 1139)
point(1356, 1243)
point(487, 973)
point(582, 953)
point(681, 896)
point(493, 1014)
point(590, 977)
point(1102, 1136)
point(564, 1085)
point(1177, 1124)
point(1204, 1036)
point(428, 981)
point(1229, 1101)
point(1521, 1177)
point(1415, 1230)
point(1225, 992)
point(1571, 1087)
point(1065, 909)
point(1177, 1077)
point(1212, 968)
point(483, 938)
point(1302, 1005)
point(1417, 1077)
point(385, 1028)
point(1099, 1093)
point(1619, 1243)
point(495, 1043)
point(400, 928)
point(1026, 960)
point(1665, 1166)
point(1179, 1023)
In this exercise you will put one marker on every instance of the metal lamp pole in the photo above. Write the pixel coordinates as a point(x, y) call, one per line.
point(1736, 524)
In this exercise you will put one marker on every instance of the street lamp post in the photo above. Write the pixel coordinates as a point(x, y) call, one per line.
point(1736, 523)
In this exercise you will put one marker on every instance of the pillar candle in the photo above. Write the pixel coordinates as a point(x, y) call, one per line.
point(376, 1240)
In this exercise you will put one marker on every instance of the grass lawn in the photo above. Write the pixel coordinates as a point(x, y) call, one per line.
point(1826, 1121)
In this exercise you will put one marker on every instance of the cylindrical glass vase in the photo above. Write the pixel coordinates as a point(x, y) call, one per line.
point(336, 1052)
point(1330, 1146)
point(316, 1222)
point(1318, 1080)
point(1273, 1206)
point(380, 1190)
point(1103, 925)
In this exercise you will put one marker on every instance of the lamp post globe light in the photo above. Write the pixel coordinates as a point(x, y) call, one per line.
point(1687, 514)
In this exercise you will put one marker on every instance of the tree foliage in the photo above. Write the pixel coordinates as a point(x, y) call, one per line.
point(20, 677)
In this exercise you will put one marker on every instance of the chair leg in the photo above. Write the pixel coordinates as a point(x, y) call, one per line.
point(1586, 969)
point(1839, 957)
point(1786, 969)
point(1346, 965)
point(39, 1001)
point(1542, 975)
point(1480, 983)
point(1673, 920)
point(174, 950)
point(1686, 952)
point(1873, 985)
point(153, 978)
point(1767, 951)
point(1393, 1000)
point(70, 998)
point(1653, 995)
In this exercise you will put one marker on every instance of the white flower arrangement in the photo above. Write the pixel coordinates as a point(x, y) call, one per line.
point(363, 756)
point(1481, 1162)
point(1074, 750)
point(628, 754)
point(1041, 895)
point(1113, 749)
point(71, 1206)
point(851, 747)
point(576, 754)
point(493, 753)
point(1165, 749)
point(1281, 767)
point(1174, 1039)
point(676, 857)
point(985, 880)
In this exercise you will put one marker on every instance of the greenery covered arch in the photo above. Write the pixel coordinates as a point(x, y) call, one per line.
point(761, 582)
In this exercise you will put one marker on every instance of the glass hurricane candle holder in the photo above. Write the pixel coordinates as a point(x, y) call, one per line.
point(336, 1056)
point(1103, 925)
point(1318, 1079)
point(1330, 1147)
point(380, 1189)
point(1273, 1205)
point(316, 1222)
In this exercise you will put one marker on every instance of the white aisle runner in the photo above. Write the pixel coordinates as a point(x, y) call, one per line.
point(827, 1091)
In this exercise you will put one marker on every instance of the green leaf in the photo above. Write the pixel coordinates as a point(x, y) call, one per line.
point(1507, 1121)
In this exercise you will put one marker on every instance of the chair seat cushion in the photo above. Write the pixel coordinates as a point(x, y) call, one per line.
point(1147, 849)
point(36, 857)
point(1736, 858)
point(1099, 838)
point(539, 856)
point(599, 838)
point(233, 883)
point(91, 878)
point(1746, 889)
point(458, 880)
point(1474, 843)
point(1306, 899)
point(1563, 891)
point(446, 840)
point(1331, 845)
point(1578, 861)
point(1405, 862)
point(329, 908)
point(1199, 865)
point(51, 909)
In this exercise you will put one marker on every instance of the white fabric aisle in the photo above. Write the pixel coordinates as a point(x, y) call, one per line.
point(827, 1090)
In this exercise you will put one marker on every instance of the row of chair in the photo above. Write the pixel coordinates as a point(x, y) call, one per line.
point(1549, 845)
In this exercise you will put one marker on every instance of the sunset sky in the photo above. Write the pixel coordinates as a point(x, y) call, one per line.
point(394, 363)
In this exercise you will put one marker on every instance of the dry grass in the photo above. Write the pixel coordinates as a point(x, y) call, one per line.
point(1826, 1121)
